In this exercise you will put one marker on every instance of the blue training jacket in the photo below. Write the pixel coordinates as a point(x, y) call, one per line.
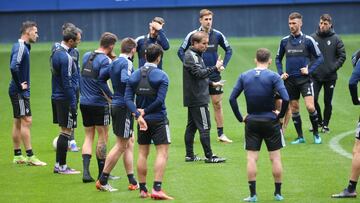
point(210, 56)
point(145, 40)
point(120, 72)
point(259, 86)
point(93, 90)
point(64, 71)
point(154, 107)
point(75, 55)
point(20, 68)
point(299, 50)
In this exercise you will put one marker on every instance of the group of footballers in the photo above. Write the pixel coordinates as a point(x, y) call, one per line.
point(310, 60)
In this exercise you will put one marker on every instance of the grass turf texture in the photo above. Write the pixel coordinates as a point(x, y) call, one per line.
point(311, 172)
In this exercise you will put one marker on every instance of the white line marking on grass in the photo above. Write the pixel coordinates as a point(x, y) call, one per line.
point(336, 147)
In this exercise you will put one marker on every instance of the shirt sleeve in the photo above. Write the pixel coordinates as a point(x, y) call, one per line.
point(354, 79)
point(104, 75)
point(194, 67)
point(16, 59)
point(129, 97)
point(233, 102)
point(279, 57)
point(66, 73)
point(226, 46)
point(184, 46)
point(163, 40)
point(314, 51)
point(280, 88)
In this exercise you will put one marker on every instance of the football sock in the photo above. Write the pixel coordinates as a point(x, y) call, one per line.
point(143, 187)
point(61, 149)
point(220, 131)
point(277, 188)
point(86, 163)
point(314, 122)
point(352, 186)
point(29, 152)
point(157, 186)
point(17, 152)
point(252, 187)
point(131, 179)
point(101, 164)
point(104, 178)
point(298, 124)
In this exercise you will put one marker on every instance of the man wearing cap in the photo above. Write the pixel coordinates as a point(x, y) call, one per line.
point(156, 35)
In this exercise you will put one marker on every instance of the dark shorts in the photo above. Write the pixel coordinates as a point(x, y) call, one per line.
point(95, 115)
point(295, 86)
point(122, 121)
point(158, 132)
point(62, 115)
point(21, 105)
point(258, 130)
point(216, 90)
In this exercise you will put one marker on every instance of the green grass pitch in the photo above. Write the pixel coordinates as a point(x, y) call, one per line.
point(311, 172)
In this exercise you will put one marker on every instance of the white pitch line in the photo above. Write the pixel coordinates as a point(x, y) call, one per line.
point(336, 147)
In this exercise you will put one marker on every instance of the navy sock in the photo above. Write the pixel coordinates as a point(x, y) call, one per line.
point(131, 179)
point(101, 164)
point(17, 152)
point(29, 153)
point(157, 185)
point(220, 131)
point(277, 188)
point(143, 187)
point(314, 122)
point(61, 149)
point(298, 124)
point(104, 178)
point(352, 186)
point(252, 187)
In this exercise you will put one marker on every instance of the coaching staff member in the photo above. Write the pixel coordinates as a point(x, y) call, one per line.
point(299, 49)
point(333, 50)
point(210, 56)
point(262, 122)
point(196, 97)
point(64, 86)
point(156, 35)
point(150, 84)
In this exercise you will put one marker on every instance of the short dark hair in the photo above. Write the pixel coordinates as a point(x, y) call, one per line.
point(263, 55)
point(326, 17)
point(66, 25)
point(127, 44)
point(198, 36)
point(71, 32)
point(26, 25)
point(108, 39)
point(205, 12)
point(159, 20)
point(295, 15)
point(152, 52)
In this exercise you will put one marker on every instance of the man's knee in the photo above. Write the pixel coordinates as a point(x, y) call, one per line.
point(26, 121)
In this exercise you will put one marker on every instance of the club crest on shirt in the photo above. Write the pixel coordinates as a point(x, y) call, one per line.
point(328, 42)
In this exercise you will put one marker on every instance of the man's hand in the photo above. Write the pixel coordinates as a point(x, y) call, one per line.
point(304, 70)
point(156, 26)
point(219, 64)
point(284, 76)
point(24, 85)
point(73, 115)
point(217, 84)
point(142, 112)
point(142, 123)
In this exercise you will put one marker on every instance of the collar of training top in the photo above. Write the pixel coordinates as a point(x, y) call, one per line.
point(150, 64)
